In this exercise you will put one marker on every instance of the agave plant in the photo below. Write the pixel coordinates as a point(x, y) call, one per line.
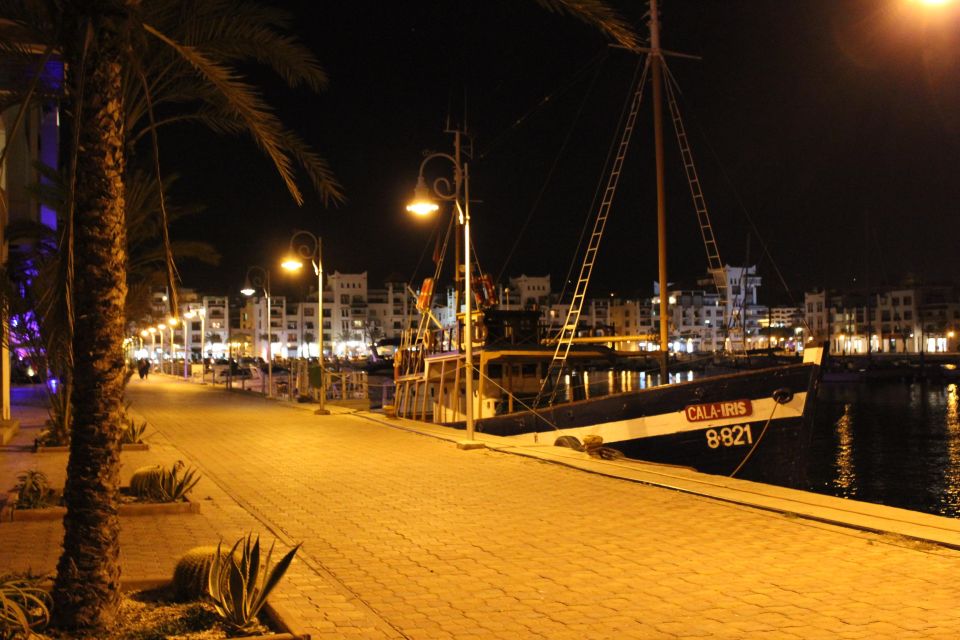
point(239, 582)
point(163, 485)
point(33, 489)
point(174, 487)
point(132, 432)
point(24, 606)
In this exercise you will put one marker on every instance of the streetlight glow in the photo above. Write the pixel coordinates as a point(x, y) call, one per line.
point(422, 203)
point(292, 264)
point(306, 245)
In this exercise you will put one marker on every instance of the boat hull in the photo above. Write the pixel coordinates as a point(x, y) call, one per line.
point(753, 425)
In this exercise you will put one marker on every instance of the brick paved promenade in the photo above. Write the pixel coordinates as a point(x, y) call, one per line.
point(405, 536)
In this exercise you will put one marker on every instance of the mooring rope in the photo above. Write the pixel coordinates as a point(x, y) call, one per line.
point(756, 444)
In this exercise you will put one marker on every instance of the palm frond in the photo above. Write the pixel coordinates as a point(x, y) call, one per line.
point(598, 14)
point(317, 169)
point(229, 31)
point(182, 249)
point(246, 104)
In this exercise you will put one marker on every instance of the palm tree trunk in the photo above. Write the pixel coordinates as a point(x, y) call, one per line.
point(87, 587)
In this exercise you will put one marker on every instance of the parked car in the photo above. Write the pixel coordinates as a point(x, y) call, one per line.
point(261, 371)
point(223, 369)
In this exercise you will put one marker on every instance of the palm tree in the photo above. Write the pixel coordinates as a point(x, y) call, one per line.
point(133, 63)
point(108, 46)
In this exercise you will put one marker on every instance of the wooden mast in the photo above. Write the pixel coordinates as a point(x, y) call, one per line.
point(656, 59)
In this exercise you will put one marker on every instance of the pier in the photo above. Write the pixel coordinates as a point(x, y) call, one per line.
point(409, 534)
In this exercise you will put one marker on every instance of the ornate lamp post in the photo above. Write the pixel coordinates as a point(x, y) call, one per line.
point(190, 315)
point(152, 331)
point(160, 329)
point(305, 245)
point(259, 278)
point(422, 205)
point(171, 323)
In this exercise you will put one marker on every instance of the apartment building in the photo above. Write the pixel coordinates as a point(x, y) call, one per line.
point(904, 319)
point(356, 315)
point(34, 142)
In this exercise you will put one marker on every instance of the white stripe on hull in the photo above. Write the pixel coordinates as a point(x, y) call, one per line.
point(670, 423)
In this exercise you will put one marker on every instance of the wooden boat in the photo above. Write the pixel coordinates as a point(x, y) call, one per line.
point(534, 388)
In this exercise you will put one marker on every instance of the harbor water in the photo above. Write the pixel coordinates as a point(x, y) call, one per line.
point(890, 443)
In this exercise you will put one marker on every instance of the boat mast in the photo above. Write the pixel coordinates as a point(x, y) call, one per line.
point(656, 59)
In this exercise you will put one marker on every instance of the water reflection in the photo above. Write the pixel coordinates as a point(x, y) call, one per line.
point(846, 475)
point(951, 472)
point(586, 384)
point(890, 443)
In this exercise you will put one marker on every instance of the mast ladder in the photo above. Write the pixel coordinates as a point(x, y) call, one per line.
point(569, 328)
point(714, 263)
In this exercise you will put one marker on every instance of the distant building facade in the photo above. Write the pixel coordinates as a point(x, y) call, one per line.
point(901, 319)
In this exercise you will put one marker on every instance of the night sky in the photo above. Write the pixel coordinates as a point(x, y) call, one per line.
point(825, 131)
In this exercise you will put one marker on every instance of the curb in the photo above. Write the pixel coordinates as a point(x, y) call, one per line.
point(9, 512)
point(274, 614)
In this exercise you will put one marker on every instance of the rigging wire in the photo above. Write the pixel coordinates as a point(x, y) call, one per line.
point(736, 195)
point(641, 71)
point(431, 241)
point(599, 57)
point(553, 168)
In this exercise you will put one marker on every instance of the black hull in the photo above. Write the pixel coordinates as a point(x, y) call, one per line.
point(768, 445)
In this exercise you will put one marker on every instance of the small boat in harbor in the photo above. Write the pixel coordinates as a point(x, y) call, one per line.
point(541, 387)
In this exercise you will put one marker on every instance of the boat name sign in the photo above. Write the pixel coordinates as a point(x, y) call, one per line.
point(715, 410)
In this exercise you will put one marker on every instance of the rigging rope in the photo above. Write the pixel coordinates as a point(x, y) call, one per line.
point(641, 70)
point(553, 168)
point(739, 200)
point(756, 444)
point(600, 55)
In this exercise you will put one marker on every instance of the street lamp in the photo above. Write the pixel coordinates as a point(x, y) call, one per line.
point(424, 204)
point(153, 343)
point(171, 323)
point(202, 314)
point(305, 245)
point(160, 328)
point(259, 278)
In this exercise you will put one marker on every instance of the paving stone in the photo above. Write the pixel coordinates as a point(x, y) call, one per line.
point(405, 536)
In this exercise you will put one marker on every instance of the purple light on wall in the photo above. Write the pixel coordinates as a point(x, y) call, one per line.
point(49, 153)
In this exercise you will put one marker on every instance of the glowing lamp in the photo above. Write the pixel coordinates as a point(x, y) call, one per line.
point(422, 204)
point(292, 264)
point(172, 322)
